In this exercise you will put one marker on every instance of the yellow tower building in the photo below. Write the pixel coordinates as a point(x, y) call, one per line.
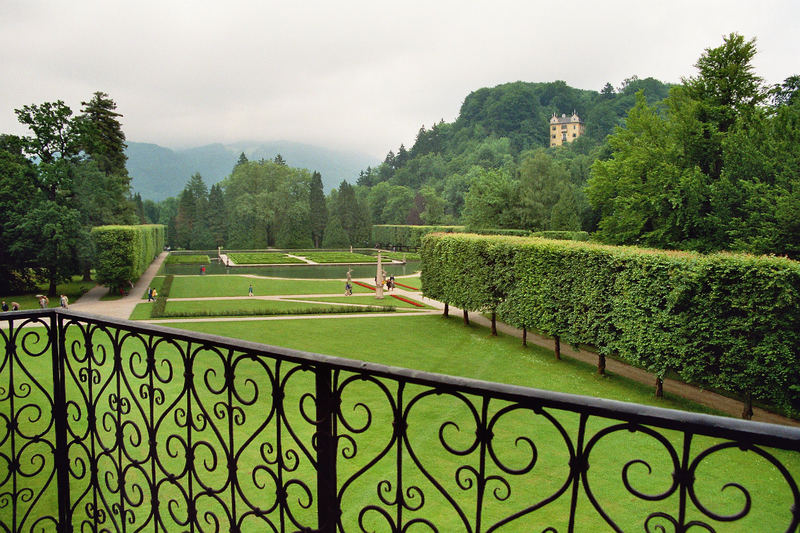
point(565, 129)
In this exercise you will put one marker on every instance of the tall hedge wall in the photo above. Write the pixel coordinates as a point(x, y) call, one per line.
point(123, 253)
point(731, 322)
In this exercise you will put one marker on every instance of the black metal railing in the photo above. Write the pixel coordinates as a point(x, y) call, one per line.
point(115, 426)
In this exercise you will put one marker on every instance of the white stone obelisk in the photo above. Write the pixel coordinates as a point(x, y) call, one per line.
point(379, 280)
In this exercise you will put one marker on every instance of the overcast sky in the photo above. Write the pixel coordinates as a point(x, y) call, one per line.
point(354, 75)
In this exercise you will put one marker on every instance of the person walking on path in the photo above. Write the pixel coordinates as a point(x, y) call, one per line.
point(250, 290)
point(64, 301)
point(5, 306)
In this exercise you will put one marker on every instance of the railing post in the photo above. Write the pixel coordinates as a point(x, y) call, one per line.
point(327, 501)
point(60, 459)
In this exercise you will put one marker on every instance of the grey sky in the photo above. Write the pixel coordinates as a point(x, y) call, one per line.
point(357, 75)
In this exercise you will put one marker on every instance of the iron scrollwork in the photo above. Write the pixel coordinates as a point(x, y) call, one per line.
point(112, 425)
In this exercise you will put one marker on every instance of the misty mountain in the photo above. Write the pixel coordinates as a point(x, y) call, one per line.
point(158, 172)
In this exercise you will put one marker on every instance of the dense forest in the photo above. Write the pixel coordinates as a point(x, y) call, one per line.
point(712, 163)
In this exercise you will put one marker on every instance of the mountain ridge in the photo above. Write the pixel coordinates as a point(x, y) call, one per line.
point(158, 172)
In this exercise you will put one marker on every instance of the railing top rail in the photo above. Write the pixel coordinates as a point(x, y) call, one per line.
point(758, 433)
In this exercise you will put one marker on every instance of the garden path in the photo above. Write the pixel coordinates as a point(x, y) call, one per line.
point(122, 307)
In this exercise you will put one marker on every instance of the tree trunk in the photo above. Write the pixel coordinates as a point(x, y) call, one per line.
point(87, 273)
point(494, 324)
point(525, 336)
point(446, 310)
point(747, 408)
point(659, 387)
point(51, 290)
point(601, 364)
point(557, 341)
point(466, 317)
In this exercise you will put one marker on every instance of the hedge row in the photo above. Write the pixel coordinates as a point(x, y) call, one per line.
point(123, 253)
point(730, 322)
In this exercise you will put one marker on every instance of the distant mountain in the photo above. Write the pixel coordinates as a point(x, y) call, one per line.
point(158, 172)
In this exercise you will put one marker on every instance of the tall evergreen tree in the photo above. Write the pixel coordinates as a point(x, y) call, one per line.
point(317, 209)
point(102, 137)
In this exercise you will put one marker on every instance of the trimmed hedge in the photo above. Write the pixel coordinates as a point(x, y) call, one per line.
point(726, 321)
point(123, 253)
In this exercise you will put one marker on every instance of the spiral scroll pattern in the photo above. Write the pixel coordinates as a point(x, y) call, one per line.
point(112, 426)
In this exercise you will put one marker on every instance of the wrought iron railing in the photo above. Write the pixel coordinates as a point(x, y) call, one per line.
point(115, 426)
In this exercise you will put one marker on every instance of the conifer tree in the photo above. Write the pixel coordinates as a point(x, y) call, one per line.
point(318, 212)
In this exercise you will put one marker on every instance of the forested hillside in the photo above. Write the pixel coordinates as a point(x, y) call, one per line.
point(492, 167)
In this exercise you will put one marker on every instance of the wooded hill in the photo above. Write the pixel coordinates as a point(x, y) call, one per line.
point(498, 129)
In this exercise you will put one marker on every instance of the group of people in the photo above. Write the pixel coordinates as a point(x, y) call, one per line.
point(387, 283)
point(152, 294)
point(43, 300)
point(14, 306)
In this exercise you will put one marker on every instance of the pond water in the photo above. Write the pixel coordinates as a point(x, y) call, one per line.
point(298, 271)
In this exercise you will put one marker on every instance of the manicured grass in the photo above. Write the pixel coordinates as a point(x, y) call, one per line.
point(74, 289)
point(263, 258)
point(412, 281)
point(436, 344)
point(370, 300)
point(338, 257)
point(208, 286)
point(188, 258)
point(255, 307)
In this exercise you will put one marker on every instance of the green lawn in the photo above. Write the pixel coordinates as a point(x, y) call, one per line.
point(263, 258)
point(435, 344)
point(338, 257)
point(370, 300)
point(207, 286)
point(254, 307)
